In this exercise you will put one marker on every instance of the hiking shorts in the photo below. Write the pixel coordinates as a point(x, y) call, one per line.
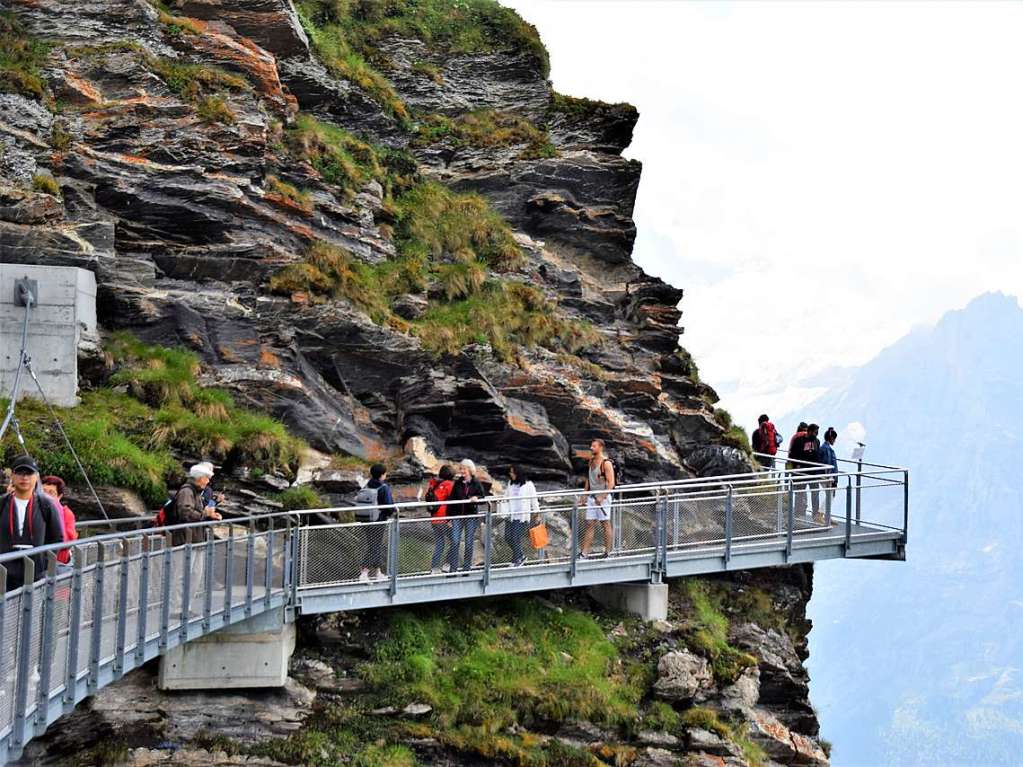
point(598, 512)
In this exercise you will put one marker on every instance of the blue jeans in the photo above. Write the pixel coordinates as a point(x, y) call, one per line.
point(514, 533)
point(458, 526)
point(441, 538)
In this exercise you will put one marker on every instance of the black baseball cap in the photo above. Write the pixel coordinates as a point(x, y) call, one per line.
point(23, 462)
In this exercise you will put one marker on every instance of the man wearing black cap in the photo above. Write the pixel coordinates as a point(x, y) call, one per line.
point(27, 519)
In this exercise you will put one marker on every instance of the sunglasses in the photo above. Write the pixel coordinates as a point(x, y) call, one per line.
point(24, 472)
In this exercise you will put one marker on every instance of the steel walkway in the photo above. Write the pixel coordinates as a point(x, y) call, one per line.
point(131, 596)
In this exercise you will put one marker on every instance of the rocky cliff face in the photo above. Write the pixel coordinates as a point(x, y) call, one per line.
point(409, 250)
point(186, 186)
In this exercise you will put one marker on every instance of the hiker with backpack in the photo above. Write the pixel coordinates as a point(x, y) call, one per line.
point(600, 480)
point(766, 440)
point(805, 449)
point(466, 515)
point(799, 434)
point(190, 503)
point(437, 491)
point(375, 505)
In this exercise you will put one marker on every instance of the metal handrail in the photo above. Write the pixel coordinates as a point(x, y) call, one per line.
point(132, 595)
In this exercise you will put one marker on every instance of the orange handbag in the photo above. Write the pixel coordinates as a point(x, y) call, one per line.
point(538, 536)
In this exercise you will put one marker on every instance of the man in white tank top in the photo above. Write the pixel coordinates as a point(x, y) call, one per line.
point(600, 477)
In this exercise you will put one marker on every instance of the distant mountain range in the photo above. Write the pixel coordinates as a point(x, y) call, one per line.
point(921, 663)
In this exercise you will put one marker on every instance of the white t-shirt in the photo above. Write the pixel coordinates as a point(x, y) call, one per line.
point(21, 506)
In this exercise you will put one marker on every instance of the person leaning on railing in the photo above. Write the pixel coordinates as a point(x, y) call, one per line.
point(190, 504)
point(28, 518)
point(523, 510)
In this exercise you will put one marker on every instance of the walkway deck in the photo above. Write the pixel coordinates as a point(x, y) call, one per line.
point(132, 596)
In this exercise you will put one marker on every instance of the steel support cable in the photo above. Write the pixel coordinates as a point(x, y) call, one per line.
point(67, 441)
point(9, 418)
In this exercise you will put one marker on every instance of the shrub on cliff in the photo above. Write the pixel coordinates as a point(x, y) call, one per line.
point(20, 59)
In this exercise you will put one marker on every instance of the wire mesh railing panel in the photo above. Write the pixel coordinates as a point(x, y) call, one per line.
point(336, 554)
point(35, 646)
point(154, 588)
point(635, 525)
point(692, 521)
point(280, 542)
point(9, 659)
point(60, 627)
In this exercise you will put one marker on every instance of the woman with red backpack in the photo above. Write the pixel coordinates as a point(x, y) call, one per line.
point(439, 489)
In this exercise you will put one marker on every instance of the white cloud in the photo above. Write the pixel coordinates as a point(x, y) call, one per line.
point(820, 178)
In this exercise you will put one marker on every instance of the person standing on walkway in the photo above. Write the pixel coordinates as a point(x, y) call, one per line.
point(437, 491)
point(765, 441)
point(466, 515)
point(800, 433)
point(28, 518)
point(523, 509)
point(600, 480)
point(55, 487)
point(827, 456)
point(381, 498)
point(190, 504)
point(806, 449)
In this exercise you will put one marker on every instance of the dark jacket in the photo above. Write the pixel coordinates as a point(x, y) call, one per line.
point(42, 526)
point(189, 505)
point(805, 448)
point(462, 491)
point(384, 498)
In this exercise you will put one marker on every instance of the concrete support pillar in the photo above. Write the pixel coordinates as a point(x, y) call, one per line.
point(647, 600)
point(253, 653)
point(62, 323)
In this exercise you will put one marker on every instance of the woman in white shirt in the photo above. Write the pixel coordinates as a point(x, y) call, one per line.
point(522, 508)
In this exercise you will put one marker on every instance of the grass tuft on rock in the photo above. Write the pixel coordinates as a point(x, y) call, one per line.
point(201, 85)
point(516, 663)
point(21, 57)
point(444, 26)
point(486, 128)
point(711, 633)
point(301, 497)
point(42, 182)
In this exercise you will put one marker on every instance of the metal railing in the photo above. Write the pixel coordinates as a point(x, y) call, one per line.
point(127, 597)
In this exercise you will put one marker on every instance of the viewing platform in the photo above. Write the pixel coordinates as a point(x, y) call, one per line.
point(220, 608)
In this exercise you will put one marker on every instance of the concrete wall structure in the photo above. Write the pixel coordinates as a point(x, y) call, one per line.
point(253, 653)
point(647, 600)
point(62, 323)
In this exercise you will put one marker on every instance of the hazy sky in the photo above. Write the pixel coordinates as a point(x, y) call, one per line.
point(818, 177)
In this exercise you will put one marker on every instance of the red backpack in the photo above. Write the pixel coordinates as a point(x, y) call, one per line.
point(768, 438)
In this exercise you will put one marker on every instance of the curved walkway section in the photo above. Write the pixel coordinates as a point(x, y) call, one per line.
point(132, 596)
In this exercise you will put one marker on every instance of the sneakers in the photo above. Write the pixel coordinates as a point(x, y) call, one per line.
point(436, 571)
point(364, 576)
point(519, 562)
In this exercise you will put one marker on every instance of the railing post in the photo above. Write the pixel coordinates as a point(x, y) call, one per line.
point(394, 533)
point(24, 659)
point(207, 597)
point(859, 483)
point(141, 626)
point(791, 521)
point(228, 575)
point(828, 492)
point(268, 575)
point(676, 508)
point(573, 525)
point(905, 506)
point(186, 588)
point(165, 589)
point(121, 637)
point(250, 567)
point(3, 618)
point(295, 560)
point(488, 544)
point(661, 543)
point(728, 526)
point(848, 515)
point(71, 672)
point(46, 648)
point(96, 636)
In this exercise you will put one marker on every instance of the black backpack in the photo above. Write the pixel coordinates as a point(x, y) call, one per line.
point(616, 468)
